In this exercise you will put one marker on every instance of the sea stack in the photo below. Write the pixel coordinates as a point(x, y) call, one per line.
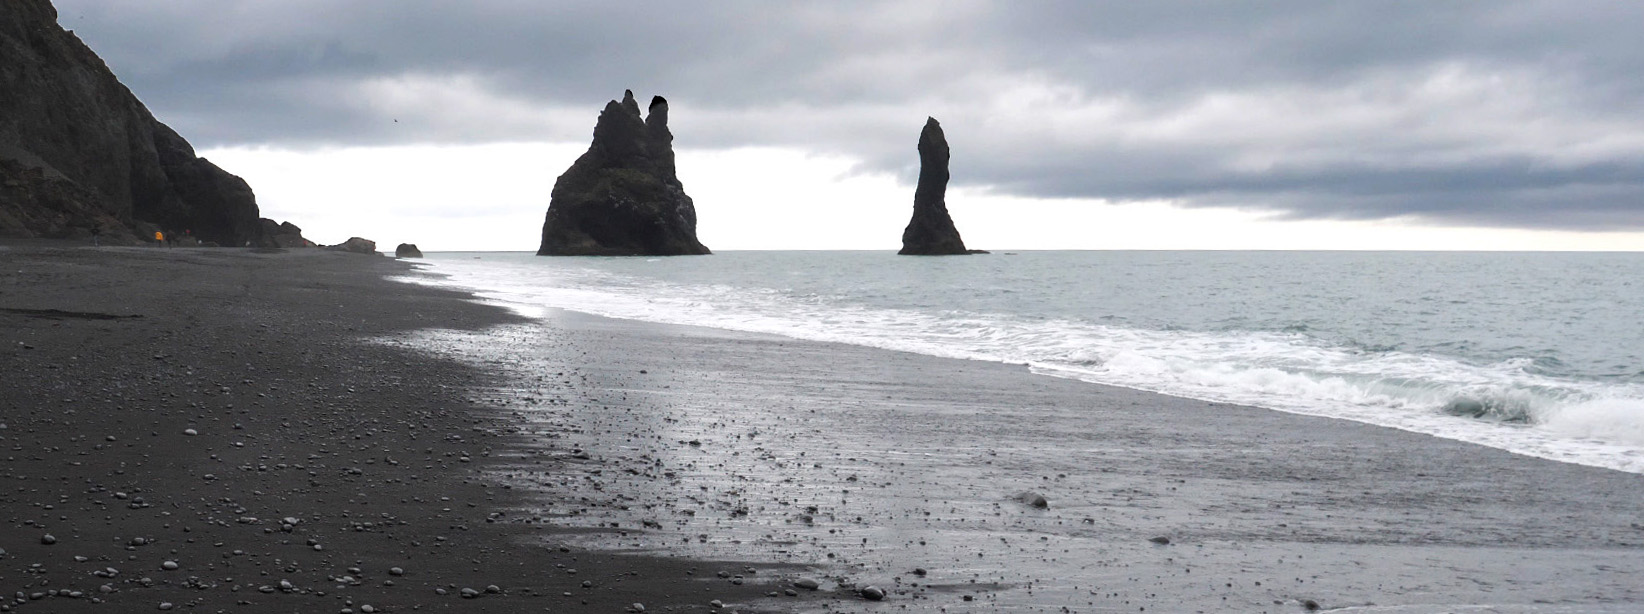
point(622, 198)
point(931, 231)
point(81, 156)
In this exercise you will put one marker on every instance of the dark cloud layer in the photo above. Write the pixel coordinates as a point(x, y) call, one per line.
point(1497, 113)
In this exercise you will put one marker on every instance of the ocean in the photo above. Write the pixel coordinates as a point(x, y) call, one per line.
point(1540, 354)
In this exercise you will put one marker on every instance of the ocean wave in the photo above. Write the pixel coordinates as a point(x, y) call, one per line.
point(1512, 404)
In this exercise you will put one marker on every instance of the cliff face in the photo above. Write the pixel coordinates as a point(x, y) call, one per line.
point(78, 150)
point(622, 197)
point(931, 231)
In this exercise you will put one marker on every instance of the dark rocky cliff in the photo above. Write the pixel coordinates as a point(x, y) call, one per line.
point(622, 198)
point(931, 231)
point(78, 151)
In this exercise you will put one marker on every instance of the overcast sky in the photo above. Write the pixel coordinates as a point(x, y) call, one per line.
point(1368, 124)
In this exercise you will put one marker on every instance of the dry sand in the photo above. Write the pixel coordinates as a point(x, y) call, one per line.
point(111, 357)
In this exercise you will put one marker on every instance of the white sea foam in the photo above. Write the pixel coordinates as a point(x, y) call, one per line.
point(1504, 405)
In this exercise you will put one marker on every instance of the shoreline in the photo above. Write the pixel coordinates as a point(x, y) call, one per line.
point(875, 463)
point(112, 355)
point(566, 443)
point(1025, 312)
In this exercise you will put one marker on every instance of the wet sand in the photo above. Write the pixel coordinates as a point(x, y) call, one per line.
point(405, 427)
point(905, 472)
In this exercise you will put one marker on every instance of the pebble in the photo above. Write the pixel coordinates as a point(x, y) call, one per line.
point(169, 565)
point(637, 607)
point(368, 609)
point(190, 432)
point(395, 571)
point(1161, 540)
point(166, 605)
point(716, 604)
point(1033, 499)
point(873, 593)
point(48, 539)
point(469, 593)
point(807, 584)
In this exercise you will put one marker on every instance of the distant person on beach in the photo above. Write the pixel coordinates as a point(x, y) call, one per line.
point(96, 232)
point(159, 239)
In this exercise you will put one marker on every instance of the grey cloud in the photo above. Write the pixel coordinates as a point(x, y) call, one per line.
point(1557, 145)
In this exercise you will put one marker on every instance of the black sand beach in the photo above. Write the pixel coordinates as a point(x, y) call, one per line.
point(112, 356)
point(636, 454)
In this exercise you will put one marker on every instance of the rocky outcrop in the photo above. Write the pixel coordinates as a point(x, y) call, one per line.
point(78, 150)
point(622, 197)
point(273, 234)
point(931, 231)
point(356, 245)
point(407, 250)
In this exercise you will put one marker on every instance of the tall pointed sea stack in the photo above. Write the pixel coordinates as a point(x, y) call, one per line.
point(622, 198)
point(931, 231)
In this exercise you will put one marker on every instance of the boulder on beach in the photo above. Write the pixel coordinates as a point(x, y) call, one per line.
point(931, 231)
point(622, 197)
point(407, 250)
point(356, 245)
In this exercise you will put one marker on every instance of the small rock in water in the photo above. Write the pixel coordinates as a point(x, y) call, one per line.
point(716, 604)
point(807, 584)
point(638, 607)
point(873, 593)
point(1033, 499)
point(1310, 605)
point(48, 539)
point(1161, 540)
point(395, 571)
point(169, 565)
point(469, 593)
point(166, 605)
point(190, 432)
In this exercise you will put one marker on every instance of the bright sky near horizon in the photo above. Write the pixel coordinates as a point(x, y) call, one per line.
point(1074, 125)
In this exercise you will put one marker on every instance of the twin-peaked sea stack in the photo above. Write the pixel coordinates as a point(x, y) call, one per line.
point(622, 198)
point(931, 231)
